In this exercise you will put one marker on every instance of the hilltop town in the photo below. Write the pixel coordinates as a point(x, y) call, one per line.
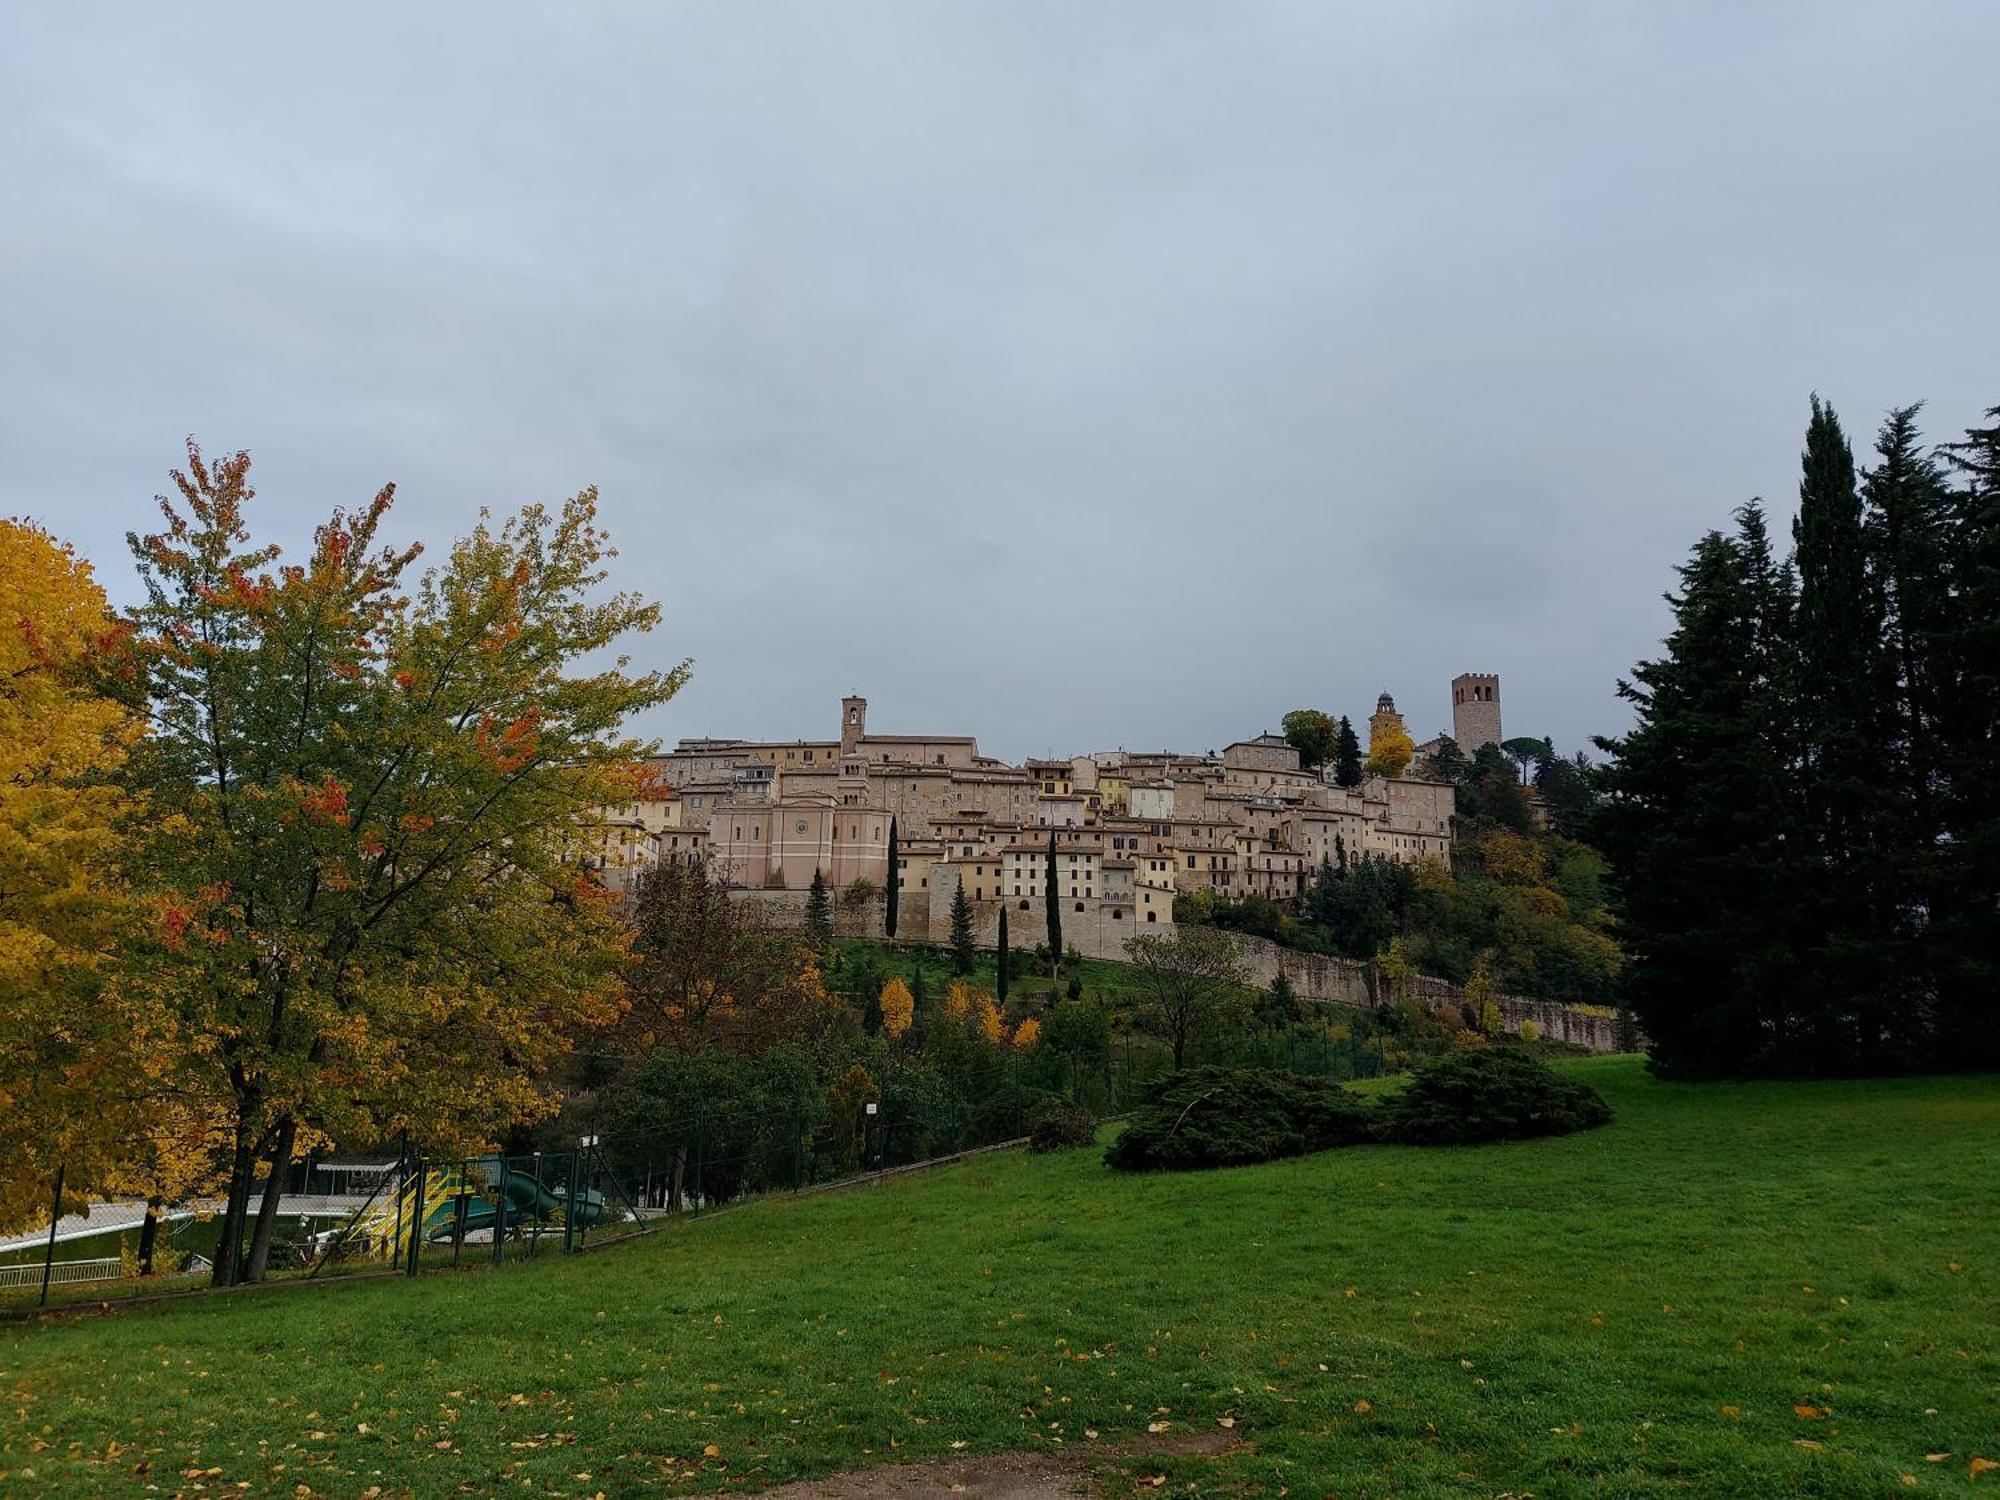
point(1132, 829)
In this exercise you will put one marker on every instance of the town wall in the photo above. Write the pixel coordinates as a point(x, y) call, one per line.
point(1345, 981)
point(1095, 933)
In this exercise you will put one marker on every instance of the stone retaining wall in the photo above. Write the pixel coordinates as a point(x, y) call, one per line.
point(1315, 976)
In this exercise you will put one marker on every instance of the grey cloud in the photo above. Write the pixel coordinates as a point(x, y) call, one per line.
point(1068, 375)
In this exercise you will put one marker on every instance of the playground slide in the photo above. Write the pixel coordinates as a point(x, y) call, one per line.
point(528, 1202)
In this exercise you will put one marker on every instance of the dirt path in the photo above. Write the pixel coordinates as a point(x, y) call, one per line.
point(1002, 1476)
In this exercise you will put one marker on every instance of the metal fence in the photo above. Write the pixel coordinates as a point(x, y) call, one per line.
point(419, 1211)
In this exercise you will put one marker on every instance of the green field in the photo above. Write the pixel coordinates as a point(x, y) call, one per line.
point(1775, 1289)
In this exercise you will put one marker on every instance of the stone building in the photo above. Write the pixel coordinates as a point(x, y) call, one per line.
point(1132, 828)
point(1475, 710)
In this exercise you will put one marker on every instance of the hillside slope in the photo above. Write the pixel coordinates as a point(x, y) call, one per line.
point(1750, 1290)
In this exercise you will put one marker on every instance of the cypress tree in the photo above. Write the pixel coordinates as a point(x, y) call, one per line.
point(1054, 907)
point(962, 949)
point(1000, 980)
point(1347, 755)
point(894, 900)
point(819, 915)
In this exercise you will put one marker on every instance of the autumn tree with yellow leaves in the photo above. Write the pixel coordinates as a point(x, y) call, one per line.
point(77, 1057)
point(368, 795)
point(899, 1009)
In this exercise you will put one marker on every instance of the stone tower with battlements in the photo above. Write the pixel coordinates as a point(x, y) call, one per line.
point(1475, 710)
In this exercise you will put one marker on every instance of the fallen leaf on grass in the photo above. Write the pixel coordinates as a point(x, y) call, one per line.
point(711, 1451)
point(1362, 1406)
point(1734, 1413)
point(1225, 1421)
point(1982, 1466)
point(1158, 1426)
point(1810, 1413)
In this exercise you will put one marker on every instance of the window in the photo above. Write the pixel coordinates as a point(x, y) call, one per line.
point(1079, 906)
point(1152, 916)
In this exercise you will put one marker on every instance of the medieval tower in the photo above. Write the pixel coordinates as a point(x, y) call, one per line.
point(1385, 717)
point(1475, 710)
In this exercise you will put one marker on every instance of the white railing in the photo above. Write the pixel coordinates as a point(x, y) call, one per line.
point(29, 1273)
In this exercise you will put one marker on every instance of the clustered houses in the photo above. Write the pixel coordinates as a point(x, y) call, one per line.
point(1132, 829)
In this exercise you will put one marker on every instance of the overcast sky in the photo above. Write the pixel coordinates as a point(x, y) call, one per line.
point(1072, 375)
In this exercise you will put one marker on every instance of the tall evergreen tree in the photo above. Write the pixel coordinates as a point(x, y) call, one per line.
point(1054, 906)
point(962, 947)
point(1000, 980)
point(1842, 680)
point(1908, 535)
point(893, 900)
point(1969, 918)
point(1347, 755)
point(1698, 822)
point(819, 914)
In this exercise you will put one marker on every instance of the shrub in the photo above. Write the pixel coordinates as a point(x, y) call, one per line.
point(1488, 1094)
point(1216, 1117)
point(1056, 1126)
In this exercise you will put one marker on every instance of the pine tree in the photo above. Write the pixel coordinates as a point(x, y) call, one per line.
point(1347, 755)
point(819, 915)
point(1054, 907)
point(1700, 826)
point(1002, 958)
point(962, 950)
point(895, 894)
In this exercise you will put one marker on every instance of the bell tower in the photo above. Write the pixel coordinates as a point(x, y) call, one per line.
point(853, 724)
point(1475, 710)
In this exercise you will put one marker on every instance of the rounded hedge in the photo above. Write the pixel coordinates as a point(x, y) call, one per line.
point(1217, 1117)
point(1055, 1125)
point(1488, 1094)
point(1220, 1117)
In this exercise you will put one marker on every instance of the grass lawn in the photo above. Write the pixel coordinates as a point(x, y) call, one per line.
point(1783, 1289)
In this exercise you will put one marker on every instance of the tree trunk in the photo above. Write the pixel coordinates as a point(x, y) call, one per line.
point(267, 1209)
point(229, 1243)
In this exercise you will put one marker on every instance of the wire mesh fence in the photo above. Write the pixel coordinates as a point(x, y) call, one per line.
point(414, 1211)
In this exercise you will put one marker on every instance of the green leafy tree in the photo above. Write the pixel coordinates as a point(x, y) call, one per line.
point(1524, 751)
point(1347, 755)
point(1447, 763)
point(1191, 977)
point(1313, 734)
point(368, 799)
point(1278, 1008)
